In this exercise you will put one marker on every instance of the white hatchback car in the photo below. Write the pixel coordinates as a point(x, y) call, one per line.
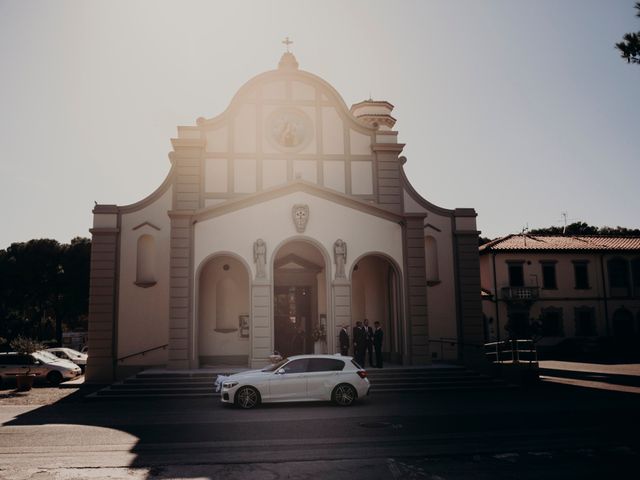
point(299, 379)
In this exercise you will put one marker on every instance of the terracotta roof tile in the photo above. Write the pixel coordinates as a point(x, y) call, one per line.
point(561, 242)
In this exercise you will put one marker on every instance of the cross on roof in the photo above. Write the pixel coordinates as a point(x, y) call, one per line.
point(287, 42)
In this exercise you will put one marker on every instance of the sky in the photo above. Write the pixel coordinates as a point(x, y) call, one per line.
point(522, 110)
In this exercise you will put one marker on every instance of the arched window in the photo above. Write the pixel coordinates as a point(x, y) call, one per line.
point(431, 259)
point(146, 261)
point(618, 277)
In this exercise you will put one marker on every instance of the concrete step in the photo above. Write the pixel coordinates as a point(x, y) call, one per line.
point(202, 384)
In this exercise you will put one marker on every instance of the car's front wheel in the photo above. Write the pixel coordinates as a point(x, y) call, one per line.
point(54, 378)
point(344, 395)
point(247, 397)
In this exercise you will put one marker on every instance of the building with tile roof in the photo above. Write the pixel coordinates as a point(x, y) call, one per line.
point(557, 287)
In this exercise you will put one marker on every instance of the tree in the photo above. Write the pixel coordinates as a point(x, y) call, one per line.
point(43, 286)
point(630, 47)
point(582, 228)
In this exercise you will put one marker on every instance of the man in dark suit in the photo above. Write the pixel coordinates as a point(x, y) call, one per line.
point(378, 336)
point(358, 343)
point(344, 341)
point(368, 343)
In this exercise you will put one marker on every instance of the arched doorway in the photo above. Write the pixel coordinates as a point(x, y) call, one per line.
point(375, 295)
point(300, 299)
point(223, 312)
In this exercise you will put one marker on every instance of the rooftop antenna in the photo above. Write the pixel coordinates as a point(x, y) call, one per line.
point(523, 232)
point(565, 221)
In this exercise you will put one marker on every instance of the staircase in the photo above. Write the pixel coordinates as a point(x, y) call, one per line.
point(430, 379)
point(194, 384)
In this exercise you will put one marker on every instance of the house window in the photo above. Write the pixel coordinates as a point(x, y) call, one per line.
point(635, 273)
point(623, 324)
point(551, 321)
point(549, 275)
point(581, 275)
point(516, 275)
point(585, 322)
point(618, 269)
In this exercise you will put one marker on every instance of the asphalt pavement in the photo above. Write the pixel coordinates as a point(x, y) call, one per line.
point(546, 428)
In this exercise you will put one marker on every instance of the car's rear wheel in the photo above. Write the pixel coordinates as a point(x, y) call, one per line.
point(247, 397)
point(54, 378)
point(344, 395)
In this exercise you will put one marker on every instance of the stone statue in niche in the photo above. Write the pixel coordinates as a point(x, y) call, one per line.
point(260, 257)
point(340, 254)
point(300, 215)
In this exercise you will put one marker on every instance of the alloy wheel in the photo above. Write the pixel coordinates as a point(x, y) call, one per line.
point(344, 395)
point(247, 397)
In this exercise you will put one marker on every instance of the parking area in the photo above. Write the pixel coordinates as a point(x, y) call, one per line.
point(42, 392)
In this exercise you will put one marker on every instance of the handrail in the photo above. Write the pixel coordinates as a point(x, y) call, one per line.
point(513, 352)
point(143, 352)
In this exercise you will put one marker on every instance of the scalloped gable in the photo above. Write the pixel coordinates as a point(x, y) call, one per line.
point(253, 121)
point(285, 85)
point(282, 125)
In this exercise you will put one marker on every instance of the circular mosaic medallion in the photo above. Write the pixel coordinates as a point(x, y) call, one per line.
point(289, 129)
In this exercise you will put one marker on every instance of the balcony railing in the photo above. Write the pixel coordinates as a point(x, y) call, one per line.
point(520, 294)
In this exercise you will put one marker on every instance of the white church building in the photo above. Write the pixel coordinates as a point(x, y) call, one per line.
point(281, 220)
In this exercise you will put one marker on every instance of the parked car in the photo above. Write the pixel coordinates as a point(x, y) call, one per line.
point(298, 379)
point(42, 364)
point(74, 356)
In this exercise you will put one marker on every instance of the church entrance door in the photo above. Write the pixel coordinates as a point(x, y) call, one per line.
point(292, 320)
point(299, 297)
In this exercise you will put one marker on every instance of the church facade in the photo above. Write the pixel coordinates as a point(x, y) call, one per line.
point(281, 220)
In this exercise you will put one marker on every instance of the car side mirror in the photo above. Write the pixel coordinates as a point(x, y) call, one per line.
point(280, 371)
point(37, 362)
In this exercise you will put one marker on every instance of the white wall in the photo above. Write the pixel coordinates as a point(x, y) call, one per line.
point(271, 220)
point(441, 297)
point(143, 313)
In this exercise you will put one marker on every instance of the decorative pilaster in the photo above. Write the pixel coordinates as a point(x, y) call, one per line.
point(261, 328)
point(388, 176)
point(187, 162)
point(470, 323)
point(102, 295)
point(341, 301)
point(180, 291)
point(416, 288)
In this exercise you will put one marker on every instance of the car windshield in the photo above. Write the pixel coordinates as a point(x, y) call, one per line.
point(275, 366)
point(45, 356)
point(72, 353)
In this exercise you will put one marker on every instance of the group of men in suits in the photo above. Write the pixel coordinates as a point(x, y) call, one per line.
point(365, 341)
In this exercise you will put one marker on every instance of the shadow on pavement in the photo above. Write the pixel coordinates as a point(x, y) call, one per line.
point(189, 429)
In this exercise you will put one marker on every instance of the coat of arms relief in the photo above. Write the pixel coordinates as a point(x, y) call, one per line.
point(300, 215)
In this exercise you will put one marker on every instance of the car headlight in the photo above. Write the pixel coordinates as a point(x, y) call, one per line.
point(229, 384)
